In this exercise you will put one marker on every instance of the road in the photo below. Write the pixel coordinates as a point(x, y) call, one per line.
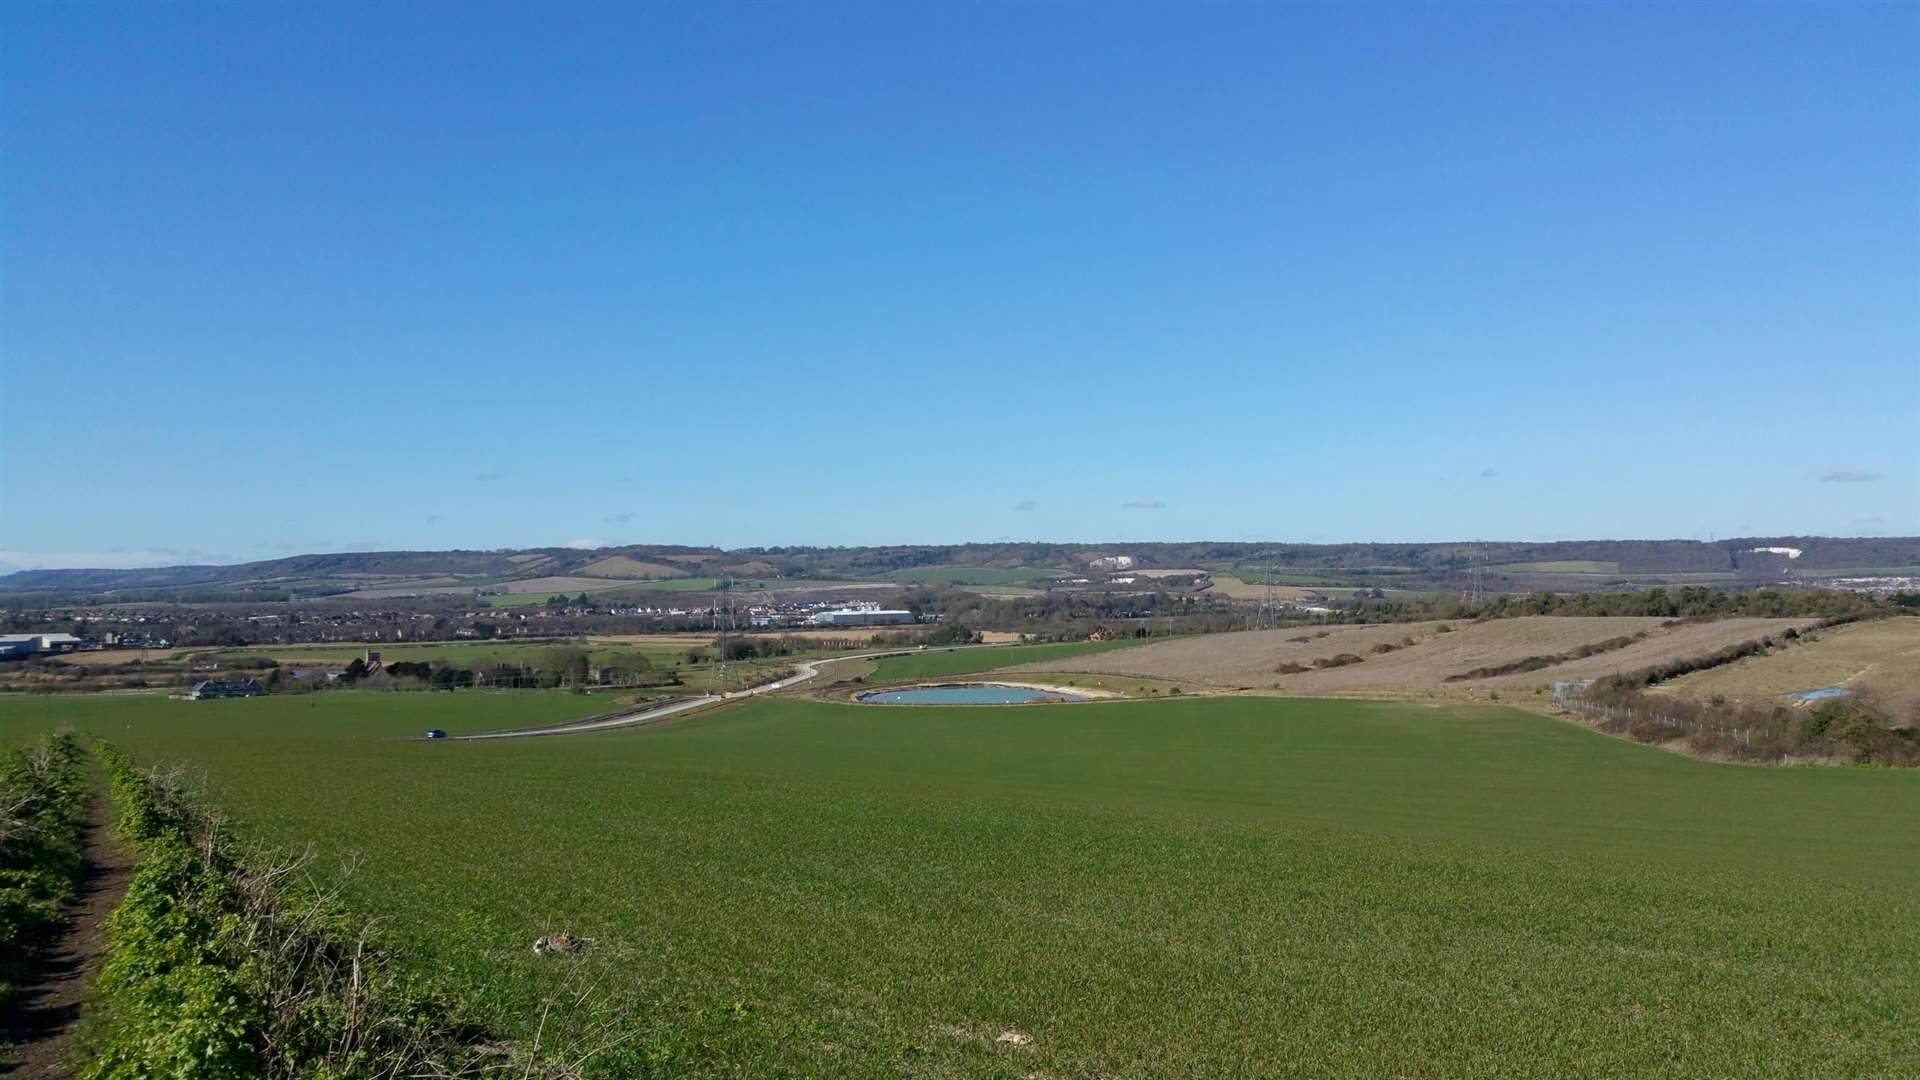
point(658, 711)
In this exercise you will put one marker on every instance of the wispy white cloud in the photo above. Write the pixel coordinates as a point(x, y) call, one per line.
point(1489, 472)
point(586, 543)
point(1026, 504)
point(617, 519)
point(116, 559)
point(488, 477)
point(1143, 504)
point(1846, 476)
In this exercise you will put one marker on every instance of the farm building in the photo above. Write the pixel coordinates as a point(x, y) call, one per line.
point(216, 688)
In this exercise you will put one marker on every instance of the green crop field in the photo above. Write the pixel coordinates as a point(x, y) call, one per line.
point(1563, 566)
point(1225, 886)
point(463, 653)
point(343, 714)
point(971, 575)
point(935, 663)
point(1252, 575)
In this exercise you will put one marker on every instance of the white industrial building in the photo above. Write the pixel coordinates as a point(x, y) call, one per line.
point(861, 617)
point(17, 646)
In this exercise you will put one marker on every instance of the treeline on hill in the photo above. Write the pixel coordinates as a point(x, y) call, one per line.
point(1072, 615)
point(1688, 602)
point(43, 807)
point(319, 574)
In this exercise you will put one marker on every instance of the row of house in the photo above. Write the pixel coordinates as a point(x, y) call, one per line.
point(220, 688)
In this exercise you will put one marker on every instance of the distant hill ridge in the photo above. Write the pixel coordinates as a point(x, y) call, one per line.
point(1623, 557)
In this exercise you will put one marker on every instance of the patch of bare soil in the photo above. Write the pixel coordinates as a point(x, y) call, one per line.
point(36, 1039)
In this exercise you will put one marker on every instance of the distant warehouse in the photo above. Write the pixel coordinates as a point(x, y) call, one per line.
point(861, 617)
point(15, 646)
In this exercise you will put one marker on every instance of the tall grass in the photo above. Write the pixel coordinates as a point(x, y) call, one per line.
point(43, 808)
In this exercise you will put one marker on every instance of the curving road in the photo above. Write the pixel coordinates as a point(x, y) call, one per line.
point(655, 712)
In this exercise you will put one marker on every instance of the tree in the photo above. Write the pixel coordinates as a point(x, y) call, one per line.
point(355, 671)
point(564, 663)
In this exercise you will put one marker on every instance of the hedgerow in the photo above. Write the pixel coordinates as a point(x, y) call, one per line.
point(1849, 730)
point(1536, 663)
point(43, 806)
point(222, 962)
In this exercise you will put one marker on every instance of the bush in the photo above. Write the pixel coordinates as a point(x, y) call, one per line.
point(1536, 663)
point(1847, 731)
point(43, 808)
point(218, 966)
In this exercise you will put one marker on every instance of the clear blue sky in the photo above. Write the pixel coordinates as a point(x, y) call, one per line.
point(315, 277)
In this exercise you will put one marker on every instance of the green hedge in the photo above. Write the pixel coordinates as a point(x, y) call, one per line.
point(218, 967)
point(43, 808)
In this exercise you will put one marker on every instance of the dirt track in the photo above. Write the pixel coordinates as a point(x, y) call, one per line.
point(36, 1041)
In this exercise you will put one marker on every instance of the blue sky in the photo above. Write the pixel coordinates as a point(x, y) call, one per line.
point(281, 278)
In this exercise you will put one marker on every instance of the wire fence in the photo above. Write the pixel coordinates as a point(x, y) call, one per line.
point(1628, 716)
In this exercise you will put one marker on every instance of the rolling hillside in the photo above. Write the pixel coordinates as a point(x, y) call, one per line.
point(1564, 565)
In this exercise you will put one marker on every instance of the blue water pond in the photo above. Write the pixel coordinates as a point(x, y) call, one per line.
point(1819, 695)
point(966, 694)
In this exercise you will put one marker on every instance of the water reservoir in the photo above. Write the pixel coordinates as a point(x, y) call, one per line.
point(966, 694)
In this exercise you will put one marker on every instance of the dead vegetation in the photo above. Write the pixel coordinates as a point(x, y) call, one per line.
point(1421, 657)
point(1878, 658)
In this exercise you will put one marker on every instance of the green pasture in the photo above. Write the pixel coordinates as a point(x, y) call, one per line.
point(1562, 566)
point(1253, 575)
point(971, 575)
point(1219, 887)
point(458, 653)
point(937, 662)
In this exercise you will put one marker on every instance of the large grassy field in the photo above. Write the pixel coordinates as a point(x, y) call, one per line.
point(1563, 566)
point(971, 575)
point(661, 651)
point(1227, 886)
point(452, 652)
